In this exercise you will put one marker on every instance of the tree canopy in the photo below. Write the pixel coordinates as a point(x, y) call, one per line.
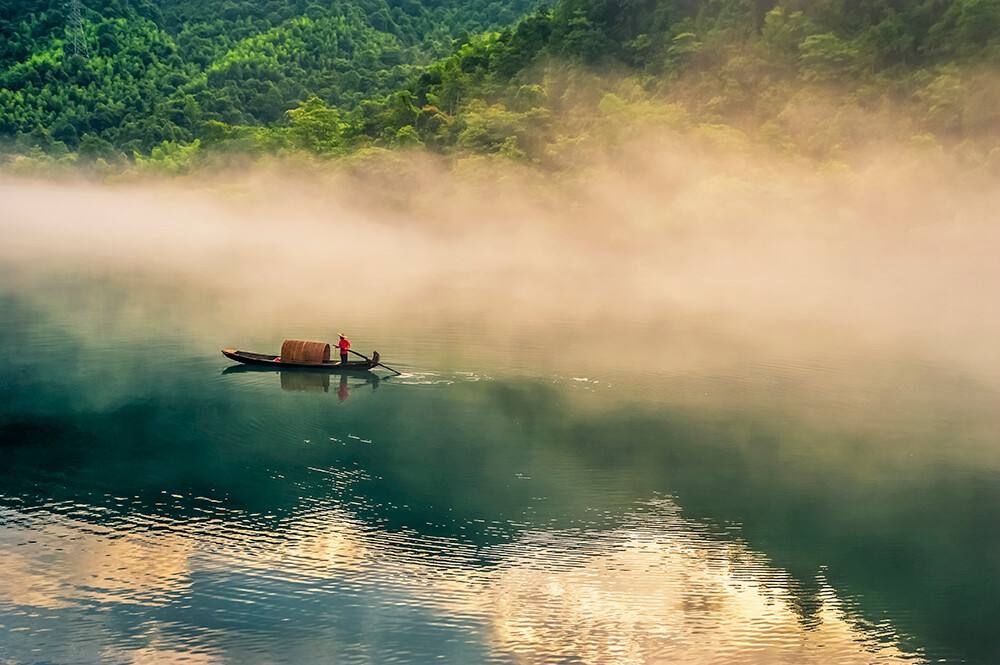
point(162, 70)
point(505, 77)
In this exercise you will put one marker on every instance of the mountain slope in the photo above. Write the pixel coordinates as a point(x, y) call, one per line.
point(158, 71)
point(176, 79)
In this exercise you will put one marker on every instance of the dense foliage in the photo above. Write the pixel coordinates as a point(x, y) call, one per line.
point(173, 82)
point(139, 73)
point(813, 76)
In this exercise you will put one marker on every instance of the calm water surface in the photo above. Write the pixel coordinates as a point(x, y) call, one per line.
point(158, 505)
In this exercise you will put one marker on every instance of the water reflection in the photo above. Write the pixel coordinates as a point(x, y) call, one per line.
point(302, 382)
point(153, 508)
point(657, 588)
point(313, 380)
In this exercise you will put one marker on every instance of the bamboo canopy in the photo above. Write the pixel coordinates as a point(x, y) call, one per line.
point(301, 351)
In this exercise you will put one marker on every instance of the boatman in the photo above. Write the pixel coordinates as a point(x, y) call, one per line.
point(344, 345)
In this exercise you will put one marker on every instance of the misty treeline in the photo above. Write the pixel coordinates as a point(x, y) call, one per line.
point(167, 86)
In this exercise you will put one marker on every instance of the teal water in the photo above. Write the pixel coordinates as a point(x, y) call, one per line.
point(157, 506)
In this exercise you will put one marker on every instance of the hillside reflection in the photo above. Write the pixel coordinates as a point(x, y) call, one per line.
point(155, 507)
point(656, 588)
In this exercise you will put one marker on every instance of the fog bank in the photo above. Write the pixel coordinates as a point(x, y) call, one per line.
point(661, 234)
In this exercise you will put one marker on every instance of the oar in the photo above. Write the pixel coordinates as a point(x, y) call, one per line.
point(398, 373)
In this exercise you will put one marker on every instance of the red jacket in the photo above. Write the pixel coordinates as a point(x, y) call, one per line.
point(344, 346)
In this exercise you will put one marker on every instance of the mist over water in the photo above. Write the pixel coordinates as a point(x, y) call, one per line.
point(779, 255)
point(678, 405)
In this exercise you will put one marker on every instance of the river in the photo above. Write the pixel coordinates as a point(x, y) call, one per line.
point(653, 418)
point(489, 505)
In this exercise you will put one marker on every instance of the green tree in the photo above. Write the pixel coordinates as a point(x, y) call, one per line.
point(827, 57)
point(316, 127)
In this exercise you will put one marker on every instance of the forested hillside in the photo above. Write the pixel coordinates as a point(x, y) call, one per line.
point(175, 82)
point(813, 77)
point(143, 72)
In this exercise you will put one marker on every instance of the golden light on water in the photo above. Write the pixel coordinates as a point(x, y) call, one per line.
point(660, 590)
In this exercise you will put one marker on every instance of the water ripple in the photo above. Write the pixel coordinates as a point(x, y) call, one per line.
point(656, 588)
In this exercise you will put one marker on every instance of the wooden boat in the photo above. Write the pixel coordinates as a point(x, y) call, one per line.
point(301, 354)
point(273, 361)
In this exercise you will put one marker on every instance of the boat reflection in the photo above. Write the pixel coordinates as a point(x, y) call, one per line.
point(306, 382)
point(293, 380)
